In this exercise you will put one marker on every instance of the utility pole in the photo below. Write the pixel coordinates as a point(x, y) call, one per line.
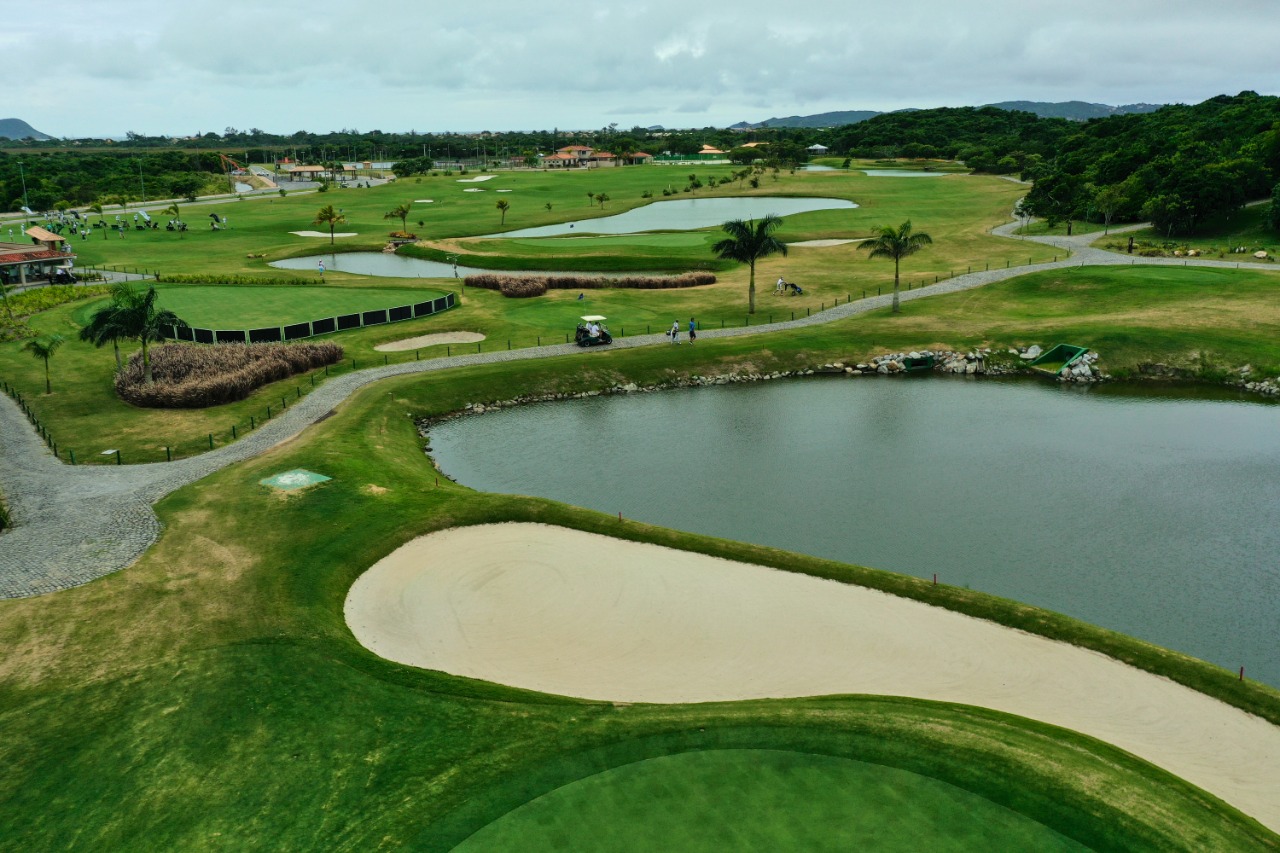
point(23, 176)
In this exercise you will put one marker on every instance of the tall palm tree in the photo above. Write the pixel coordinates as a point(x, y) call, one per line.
point(748, 242)
point(44, 348)
point(503, 205)
point(107, 323)
point(401, 212)
point(5, 287)
point(142, 321)
point(328, 216)
point(896, 243)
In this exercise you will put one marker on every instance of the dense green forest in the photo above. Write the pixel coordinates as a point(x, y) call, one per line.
point(1179, 167)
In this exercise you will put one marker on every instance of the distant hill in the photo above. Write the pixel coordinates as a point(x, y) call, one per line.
point(16, 128)
point(835, 119)
point(1075, 110)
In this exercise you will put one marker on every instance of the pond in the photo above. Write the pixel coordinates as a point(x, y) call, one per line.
point(1140, 509)
point(684, 215)
point(397, 266)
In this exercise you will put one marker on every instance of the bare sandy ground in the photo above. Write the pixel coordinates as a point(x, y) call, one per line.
point(431, 340)
point(579, 614)
point(822, 244)
point(325, 233)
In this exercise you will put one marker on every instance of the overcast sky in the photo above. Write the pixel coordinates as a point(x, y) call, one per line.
point(176, 67)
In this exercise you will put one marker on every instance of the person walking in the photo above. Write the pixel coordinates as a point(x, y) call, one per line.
point(675, 332)
point(693, 331)
point(320, 267)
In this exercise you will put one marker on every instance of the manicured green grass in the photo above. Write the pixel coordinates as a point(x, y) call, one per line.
point(211, 695)
point(253, 307)
point(1203, 320)
point(756, 799)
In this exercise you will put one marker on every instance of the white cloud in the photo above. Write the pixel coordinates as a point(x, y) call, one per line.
point(324, 64)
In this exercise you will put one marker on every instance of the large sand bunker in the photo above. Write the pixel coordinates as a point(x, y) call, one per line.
point(578, 614)
point(431, 340)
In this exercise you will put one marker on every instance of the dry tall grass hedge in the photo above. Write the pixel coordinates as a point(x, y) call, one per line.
point(194, 376)
point(523, 286)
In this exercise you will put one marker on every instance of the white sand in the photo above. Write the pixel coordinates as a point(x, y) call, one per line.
point(473, 190)
point(476, 179)
point(579, 614)
point(424, 201)
point(430, 340)
point(822, 244)
point(325, 233)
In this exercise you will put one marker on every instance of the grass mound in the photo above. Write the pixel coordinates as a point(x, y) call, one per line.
point(188, 376)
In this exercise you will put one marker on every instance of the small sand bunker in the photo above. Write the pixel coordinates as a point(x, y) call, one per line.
point(579, 614)
point(325, 233)
point(431, 340)
point(502, 191)
point(822, 244)
point(473, 190)
point(424, 201)
point(477, 179)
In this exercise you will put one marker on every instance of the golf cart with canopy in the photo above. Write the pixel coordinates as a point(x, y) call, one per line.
point(591, 332)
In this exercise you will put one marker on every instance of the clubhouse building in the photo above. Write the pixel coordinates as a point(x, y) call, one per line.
point(37, 261)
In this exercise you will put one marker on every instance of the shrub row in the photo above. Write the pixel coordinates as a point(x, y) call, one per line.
point(39, 299)
point(192, 376)
point(222, 278)
point(525, 286)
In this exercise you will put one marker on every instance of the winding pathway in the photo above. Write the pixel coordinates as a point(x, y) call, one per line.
point(74, 524)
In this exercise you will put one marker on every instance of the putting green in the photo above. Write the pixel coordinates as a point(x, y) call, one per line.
point(227, 307)
point(753, 799)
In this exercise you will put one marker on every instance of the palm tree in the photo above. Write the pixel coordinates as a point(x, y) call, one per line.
point(602, 198)
point(44, 348)
point(106, 324)
point(503, 205)
point(140, 320)
point(748, 241)
point(896, 243)
point(401, 212)
point(328, 216)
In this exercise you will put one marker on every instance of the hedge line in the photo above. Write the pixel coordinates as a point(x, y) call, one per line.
point(188, 376)
point(219, 278)
point(519, 287)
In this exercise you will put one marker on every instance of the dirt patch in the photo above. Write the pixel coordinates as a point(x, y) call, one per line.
point(371, 489)
point(431, 340)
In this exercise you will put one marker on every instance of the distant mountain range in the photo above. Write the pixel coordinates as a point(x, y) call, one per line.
point(1075, 110)
point(16, 128)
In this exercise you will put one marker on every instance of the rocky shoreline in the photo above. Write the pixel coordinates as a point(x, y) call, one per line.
point(977, 362)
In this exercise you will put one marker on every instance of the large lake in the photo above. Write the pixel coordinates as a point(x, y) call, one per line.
point(1137, 509)
point(685, 215)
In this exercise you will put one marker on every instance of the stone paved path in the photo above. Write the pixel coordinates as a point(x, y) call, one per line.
point(74, 524)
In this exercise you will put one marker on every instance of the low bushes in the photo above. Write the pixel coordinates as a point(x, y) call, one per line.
point(192, 376)
point(519, 287)
point(221, 278)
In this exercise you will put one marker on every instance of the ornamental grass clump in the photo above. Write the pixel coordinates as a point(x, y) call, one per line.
point(195, 376)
